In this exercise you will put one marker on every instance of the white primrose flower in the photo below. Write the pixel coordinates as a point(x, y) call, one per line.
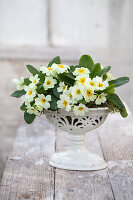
point(82, 70)
point(19, 83)
point(110, 77)
point(60, 68)
point(32, 110)
point(47, 70)
point(64, 102)
point(101, 99)
point(80, 110)
point(100, 84)
point(43, 101)
point(62, 87)
point(27, 103)
point(30, 93)
point(82, 79)
point(89, 94)
point(69, 94)
point(77, 92)
point(91, 82)
point(49, 82)
point(33, 86)
point(39, 108)
point(34, 79)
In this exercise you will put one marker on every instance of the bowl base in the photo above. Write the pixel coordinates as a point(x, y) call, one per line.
point(79, 160)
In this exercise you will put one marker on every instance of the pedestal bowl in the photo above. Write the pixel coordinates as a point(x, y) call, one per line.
point(77, 157)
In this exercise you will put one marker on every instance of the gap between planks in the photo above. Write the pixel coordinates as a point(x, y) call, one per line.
point(71, 185)
point(28, 175)
point(116, 138)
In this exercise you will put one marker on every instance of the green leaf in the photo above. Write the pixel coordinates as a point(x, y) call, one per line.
point(42, 76)
point(124, 113)
point(23, 107)
point(40, 89)
point(18, 93)
point(72, 68)
point(56, 93)
point(29, 118)
point(119, 81)
point(26, 81)
point(104, 77)
point(63, 78)
point(53, 103)
point(116, 101)
point(32, 70)
point(55, 60)
point(109, 89)
point(71, 76)
point(86, 61)
point(95, 70)
point(82, 101)
point(114, 98)
point(104, 70)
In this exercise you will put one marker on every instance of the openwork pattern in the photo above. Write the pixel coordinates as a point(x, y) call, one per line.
point(69, 122)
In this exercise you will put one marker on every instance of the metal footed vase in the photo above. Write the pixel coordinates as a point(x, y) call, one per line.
point(77, 157)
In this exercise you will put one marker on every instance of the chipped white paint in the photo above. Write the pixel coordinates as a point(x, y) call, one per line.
point(39, 162)
point(32, 150)
point(25, 180)
point(15, 158)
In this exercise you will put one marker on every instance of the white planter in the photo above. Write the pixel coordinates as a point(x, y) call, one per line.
point(77, 157)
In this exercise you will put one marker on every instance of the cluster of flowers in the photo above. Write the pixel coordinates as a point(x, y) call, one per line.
point(71, 88)
point(74, 97)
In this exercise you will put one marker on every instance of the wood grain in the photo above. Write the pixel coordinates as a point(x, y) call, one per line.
point(82, 185)
point(116, 137)
point(121, 178)
point(27, 174)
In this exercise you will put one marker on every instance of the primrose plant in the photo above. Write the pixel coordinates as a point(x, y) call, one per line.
point(72, 88)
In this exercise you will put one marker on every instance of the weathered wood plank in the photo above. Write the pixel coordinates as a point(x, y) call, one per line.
point(116, 136)
point(121, 177)
point(27, 174)
point(82, 185)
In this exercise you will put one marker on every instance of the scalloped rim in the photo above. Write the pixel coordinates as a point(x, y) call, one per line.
point(90, 109)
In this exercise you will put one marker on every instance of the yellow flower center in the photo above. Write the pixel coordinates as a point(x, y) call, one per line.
point(78, 91)
point(48, 82)
point(80, 71)
point(82, 80)
point(32, 109)
point(30, 92)
point(70, 95)
point(64, 87)
point(80, 108)
point(43, 100)
point(89, 93)
point(65, 103)
point(61, 66)
point(49, 68)
point(100, 84)
point(34, 81)
point(100, 96)
point(92, 83)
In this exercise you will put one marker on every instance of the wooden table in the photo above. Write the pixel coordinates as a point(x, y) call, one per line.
point(28, 176)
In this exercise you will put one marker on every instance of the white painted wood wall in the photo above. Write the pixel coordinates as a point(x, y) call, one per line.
point(71, 23)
